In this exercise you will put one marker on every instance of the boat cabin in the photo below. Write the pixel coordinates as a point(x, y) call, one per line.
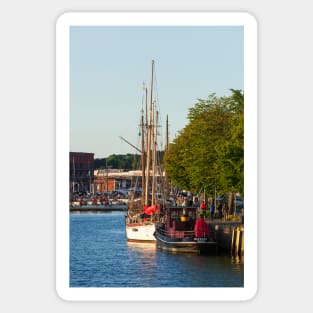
point(180, 221)
point(181, 231)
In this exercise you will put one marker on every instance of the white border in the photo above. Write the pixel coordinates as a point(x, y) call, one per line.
point(62, 152)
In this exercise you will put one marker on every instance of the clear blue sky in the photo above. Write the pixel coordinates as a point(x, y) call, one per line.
point(108, 65)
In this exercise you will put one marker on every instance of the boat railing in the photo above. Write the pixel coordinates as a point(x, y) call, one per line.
point(176, 233)
point(137, 219)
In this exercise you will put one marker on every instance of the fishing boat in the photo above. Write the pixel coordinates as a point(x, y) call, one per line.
point(142, 215)
point(179, 230)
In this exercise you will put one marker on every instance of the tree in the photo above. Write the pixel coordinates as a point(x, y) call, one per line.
point(208, 152)
point(231, 157)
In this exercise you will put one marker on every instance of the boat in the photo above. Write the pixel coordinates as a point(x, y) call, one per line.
point(143, 213)
point(182, 229)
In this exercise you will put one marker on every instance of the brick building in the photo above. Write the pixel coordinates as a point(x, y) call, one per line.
point(113, 179)
point(81, 171)
point(84, 178)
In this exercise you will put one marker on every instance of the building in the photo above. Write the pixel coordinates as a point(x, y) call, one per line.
point(81, 171)
point(114, 179)
point(84, 178)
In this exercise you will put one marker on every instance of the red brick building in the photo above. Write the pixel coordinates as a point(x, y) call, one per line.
point(108, 180)
point(83, 177)
point(103, 184)
point(81, 171)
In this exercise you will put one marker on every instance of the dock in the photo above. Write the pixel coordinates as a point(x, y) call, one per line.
point(98, 208)
point(229, 236)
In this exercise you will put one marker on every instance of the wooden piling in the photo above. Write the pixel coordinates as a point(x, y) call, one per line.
point(237, 242)
point(242, 242)
point(229, 236)
point(232, 241)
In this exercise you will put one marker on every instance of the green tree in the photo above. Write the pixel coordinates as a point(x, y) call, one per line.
point(231, 156)
point(208, 152)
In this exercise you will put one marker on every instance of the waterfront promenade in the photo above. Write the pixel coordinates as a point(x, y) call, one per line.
point(98, 208)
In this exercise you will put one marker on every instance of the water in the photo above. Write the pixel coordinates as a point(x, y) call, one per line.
point(100, 256)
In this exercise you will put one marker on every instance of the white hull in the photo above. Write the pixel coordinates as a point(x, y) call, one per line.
point(140, 232)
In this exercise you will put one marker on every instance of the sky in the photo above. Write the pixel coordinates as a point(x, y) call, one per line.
point(108, 65)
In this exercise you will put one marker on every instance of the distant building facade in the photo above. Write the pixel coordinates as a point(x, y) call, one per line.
point(84, 178)
point(81, 171)
point(113, 179)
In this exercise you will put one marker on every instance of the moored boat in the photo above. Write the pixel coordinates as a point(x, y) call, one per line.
point(141, 216)
point(140, 227)
point(181, 231)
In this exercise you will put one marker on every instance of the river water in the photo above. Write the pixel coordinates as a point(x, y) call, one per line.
point(100, 256)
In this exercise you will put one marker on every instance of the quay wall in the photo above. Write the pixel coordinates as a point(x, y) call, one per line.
point(229, 236)
point(97, 208)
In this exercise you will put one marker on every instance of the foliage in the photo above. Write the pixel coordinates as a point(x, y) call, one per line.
point(122, 161)
point(118, 161)
point(208, 153)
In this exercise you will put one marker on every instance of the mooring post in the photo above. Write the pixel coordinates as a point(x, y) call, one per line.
point(232, 241)
point(242, 242)
point(237, 240)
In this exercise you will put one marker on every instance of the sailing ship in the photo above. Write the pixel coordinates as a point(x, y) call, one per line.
point(142, 215)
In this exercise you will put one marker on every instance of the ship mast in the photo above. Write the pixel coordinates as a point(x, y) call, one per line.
point(154, 160)
point(166, 181)
point(143, 154)
point(149, 137)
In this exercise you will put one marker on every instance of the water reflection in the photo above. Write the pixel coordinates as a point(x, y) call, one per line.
point(142, 246)
point(142, 254)
point(237, 259)
point(101, 256)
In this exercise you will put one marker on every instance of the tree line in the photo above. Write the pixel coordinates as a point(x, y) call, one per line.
point(118, 161)
point(127, 162)
point(208, 153)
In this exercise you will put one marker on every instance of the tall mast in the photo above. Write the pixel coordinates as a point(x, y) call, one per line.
point(154, 160)
point(149, 134)
point(143, 188)
point(147, 143)
point(166, 180)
